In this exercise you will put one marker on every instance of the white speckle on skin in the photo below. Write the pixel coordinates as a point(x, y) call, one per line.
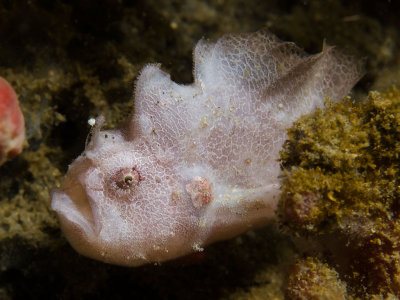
point(197, 248)
point(92, 122)
point(195, 163)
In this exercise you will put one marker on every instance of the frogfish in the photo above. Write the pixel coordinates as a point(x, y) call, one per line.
point(196, 163)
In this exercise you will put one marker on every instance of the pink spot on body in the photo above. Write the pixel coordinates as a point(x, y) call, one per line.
point(200, 191)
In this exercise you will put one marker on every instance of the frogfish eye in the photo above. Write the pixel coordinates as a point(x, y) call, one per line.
point(127, 178)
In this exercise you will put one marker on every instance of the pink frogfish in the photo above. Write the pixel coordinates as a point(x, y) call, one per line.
point(197, 163)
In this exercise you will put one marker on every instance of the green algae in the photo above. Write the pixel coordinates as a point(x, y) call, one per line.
point(343, 181)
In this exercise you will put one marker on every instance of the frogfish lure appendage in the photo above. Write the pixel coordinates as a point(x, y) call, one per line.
point(196, 163)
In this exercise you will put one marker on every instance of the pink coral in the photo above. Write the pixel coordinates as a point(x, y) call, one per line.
point(12, 124)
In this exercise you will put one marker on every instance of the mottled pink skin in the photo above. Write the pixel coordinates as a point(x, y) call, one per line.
point(195, 163)
point(12, 124)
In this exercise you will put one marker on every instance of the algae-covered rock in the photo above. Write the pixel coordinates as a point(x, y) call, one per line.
point(311, 279)
point(343, 187)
